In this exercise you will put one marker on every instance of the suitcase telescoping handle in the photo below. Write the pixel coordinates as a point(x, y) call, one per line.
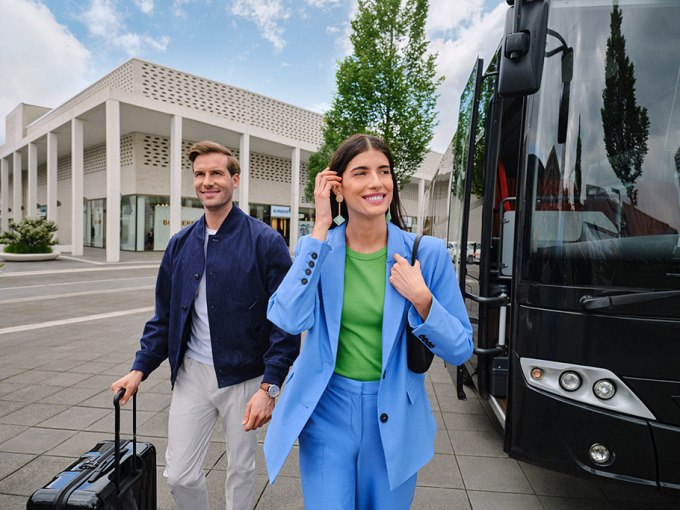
point(116, 405)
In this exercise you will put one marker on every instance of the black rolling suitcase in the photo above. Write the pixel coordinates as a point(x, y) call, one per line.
point(111, 476)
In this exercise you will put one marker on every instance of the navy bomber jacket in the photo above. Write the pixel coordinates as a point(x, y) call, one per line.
point(246, 260)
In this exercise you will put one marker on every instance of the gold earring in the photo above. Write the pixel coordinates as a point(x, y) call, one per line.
point(339, 219)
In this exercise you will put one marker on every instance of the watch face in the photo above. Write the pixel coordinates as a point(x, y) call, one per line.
point(273, 391)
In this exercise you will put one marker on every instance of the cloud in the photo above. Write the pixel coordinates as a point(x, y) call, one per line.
point(475, 34)
point(105, 21)
point(146, 6)
point(46, 64)
point(322, 3)
point(267, 15)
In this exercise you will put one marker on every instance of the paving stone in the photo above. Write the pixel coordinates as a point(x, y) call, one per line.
point(30, 377)
point(66, 379)
point(9, 431)
point(106, 424)
point(9, 406)
point(449, 403)
point(8, 371)
point(554, 503)
point(35, 440)
point(32, 414)
point(436, 498)
point(30, 393)
point(493, 474)
point(62, 365)
point(441, 471)
point(99, 381)
point(10, 462)
point(91, 367)
point(442, 443)
point(157, 426)
point(77, 444)
point(32, 476)
point(164, 500)
point(8, 388)
point(75, 418)
point(8, 501)
point(285, 494)
point(500, 500)
point(68, 396)
point(551, 483)
point(470, 442)
point(473, 422)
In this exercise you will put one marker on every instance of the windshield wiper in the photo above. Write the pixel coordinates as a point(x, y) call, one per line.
point(599, 302)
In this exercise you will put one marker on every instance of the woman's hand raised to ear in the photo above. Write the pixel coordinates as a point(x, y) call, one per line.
point(324, 184)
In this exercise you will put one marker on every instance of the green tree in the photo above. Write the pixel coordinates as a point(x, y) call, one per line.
point(625, 124)
point(30, 235)
point(386, 87)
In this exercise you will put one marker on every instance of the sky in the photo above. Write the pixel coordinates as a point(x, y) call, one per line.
point(284, 49)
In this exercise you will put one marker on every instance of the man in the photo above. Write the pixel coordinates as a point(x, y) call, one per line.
point(226, 359)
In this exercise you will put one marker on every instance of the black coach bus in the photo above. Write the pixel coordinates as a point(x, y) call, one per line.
point(559, 198)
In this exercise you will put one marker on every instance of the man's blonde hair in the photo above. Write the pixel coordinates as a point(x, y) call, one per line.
point(208, 147)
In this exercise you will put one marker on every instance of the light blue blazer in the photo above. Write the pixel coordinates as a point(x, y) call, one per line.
point(310, 298)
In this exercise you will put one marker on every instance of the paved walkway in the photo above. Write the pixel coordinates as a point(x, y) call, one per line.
point(70, 327)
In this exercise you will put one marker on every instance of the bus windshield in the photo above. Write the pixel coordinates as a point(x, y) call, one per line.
point(603, 148)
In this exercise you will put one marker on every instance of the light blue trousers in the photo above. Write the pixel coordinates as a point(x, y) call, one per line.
point(342, 462)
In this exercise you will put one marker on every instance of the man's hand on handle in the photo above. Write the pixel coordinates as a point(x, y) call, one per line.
point(130, 383)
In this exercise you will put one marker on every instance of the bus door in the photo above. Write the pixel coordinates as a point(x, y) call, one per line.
point(474, 226)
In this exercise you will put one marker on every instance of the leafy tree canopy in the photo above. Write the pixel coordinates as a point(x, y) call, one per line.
point(386, 87)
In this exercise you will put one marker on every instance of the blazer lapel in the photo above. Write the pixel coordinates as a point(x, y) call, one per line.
point(333, 285)
point(395, 306)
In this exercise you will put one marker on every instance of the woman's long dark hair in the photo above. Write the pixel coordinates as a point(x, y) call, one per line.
point(346, 152)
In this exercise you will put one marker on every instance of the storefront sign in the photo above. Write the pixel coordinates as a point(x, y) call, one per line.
point(280, 211)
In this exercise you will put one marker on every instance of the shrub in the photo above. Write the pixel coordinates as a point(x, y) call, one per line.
point(30, 235)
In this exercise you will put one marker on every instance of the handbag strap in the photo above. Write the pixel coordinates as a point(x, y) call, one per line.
point(414, 251)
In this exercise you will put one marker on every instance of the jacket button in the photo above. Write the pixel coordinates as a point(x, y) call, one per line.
point(311, 263)
point(308, 272)
point(314, 255)
point(422, 337)
point(185, 308)
point(304, 281)
point(196, 276)
point(384, 417)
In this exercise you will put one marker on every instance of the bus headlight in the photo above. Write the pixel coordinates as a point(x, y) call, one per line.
point(570, 380)
point(599, 454)
point(604, 389)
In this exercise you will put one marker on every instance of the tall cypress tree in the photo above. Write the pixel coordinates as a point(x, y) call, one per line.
point(625, 124)
point(386, 87)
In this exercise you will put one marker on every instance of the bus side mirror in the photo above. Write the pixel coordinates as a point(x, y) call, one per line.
point(521, 62)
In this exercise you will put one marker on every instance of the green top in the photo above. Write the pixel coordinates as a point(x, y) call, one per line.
point(360, 343)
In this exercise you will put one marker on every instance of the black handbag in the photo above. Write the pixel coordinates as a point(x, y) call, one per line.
point(419, 356)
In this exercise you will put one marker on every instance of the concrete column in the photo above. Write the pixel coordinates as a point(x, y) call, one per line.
point(52, 166)
point(294, 198)
point(18, 186)
point(32, 195)
point(175, 174)
point(4, 193)
point(421, 205)
point(112, 181)
point(77, 170)
point(244, 187)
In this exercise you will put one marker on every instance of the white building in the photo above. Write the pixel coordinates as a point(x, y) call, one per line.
point(110, 167)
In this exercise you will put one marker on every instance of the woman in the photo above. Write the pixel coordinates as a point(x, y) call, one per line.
point(364, 421)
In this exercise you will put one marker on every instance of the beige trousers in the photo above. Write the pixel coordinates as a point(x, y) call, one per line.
point(196, 405)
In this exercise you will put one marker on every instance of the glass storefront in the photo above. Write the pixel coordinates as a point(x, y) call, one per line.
point(94, 223)
point(145, 220)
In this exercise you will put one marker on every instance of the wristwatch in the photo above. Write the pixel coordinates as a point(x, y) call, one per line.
point(272, 389)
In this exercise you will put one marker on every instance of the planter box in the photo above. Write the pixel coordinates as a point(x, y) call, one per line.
point(28, 257)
